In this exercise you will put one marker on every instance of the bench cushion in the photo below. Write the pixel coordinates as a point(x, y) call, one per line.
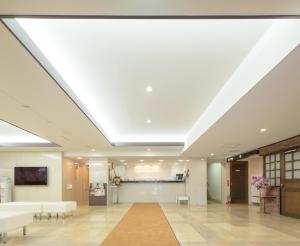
point(13, 220)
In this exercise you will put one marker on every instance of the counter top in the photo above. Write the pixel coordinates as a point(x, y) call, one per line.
point(152, 181)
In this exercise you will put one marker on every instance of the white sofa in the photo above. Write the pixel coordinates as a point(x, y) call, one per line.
point(40, 208)
point(13, 220)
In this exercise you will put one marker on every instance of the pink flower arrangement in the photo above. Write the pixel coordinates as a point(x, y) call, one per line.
point(260, 182)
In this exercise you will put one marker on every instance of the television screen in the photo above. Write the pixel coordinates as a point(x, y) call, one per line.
point(31, 176)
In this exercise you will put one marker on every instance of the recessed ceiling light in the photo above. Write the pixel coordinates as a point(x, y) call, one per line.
point(79, 158)
point(187, 160)
point(212, 154)
point(161, 160)
point(148, 149)
point(263, 129)
point(148, 121)
point(180, 160)
point(122, 160)
point(141, 160)
point(149, 88)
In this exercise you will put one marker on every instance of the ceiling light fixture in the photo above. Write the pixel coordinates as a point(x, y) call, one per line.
point(149, 88)
point(212, 154)
point(93, 150)
point(180, 160)
point(148, 149)
point(161, 160)
point(263, 130)
point(141, 160)
point(187, 160)
point(122, 160)
point(79, 158)
point(148, 121)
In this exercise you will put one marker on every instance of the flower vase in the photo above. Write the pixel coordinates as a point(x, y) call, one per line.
point(264, 191)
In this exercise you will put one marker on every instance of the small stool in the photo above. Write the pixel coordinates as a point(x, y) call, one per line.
point(182, 198)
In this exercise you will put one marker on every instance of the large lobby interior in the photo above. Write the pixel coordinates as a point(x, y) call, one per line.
point(149, 123)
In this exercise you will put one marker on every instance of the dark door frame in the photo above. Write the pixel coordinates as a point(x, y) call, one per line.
point(246, 180)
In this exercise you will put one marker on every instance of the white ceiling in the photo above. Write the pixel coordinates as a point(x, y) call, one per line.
point(272, 104)
point(10, 134)
point(53, 116)
point(108, 64)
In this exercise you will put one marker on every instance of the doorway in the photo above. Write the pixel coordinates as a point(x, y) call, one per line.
point(290, 188)
point(239, 181)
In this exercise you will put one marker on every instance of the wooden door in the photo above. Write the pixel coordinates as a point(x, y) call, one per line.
point(290, 188)
point(239, 181)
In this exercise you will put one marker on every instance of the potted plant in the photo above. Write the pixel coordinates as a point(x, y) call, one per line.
point(261, 184)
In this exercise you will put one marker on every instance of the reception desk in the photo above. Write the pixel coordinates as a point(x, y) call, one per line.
point(164, 191)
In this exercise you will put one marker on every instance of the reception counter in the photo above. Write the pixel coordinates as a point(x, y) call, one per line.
point(164, 191)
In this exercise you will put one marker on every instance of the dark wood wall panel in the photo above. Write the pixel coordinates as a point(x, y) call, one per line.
point(287, 144)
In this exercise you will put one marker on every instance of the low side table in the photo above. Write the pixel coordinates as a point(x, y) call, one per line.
point(263, 202)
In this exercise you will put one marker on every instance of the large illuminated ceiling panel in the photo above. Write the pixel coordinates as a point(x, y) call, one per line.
point(105, 65)
point(13, 136)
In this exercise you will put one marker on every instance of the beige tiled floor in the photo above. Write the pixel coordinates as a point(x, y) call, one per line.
point(214, 225)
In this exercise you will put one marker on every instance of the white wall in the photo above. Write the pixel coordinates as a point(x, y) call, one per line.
point(98, 171)
point(155, 170)
point(196, 184)
point(214, 180)
point(52, 160)
point(255, 169)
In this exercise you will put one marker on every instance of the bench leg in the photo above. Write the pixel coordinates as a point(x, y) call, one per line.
point(24, 230)
point(4, 237)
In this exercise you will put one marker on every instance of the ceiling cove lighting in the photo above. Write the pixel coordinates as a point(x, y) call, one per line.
point(13, 136)
point(91, 82)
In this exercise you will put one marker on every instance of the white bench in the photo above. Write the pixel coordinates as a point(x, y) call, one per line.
point(13, 220)
point(59, 208)
point(39, 208)
point(35, 208)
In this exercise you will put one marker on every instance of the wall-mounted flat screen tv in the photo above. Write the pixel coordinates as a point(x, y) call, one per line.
point(31, 176)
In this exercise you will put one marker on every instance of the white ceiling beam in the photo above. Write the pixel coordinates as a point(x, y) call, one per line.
point(277, 42)
point(163, 7)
